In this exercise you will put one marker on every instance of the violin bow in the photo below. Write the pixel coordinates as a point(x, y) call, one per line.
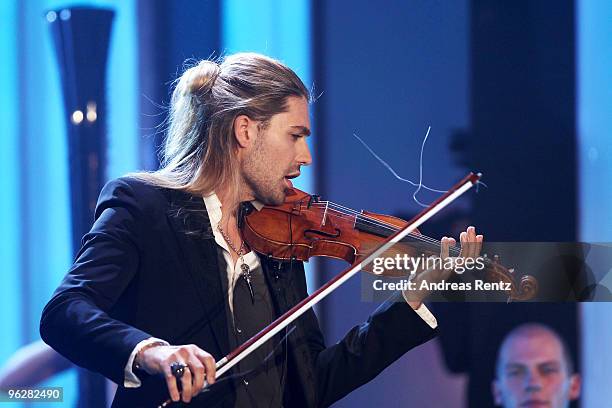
point(234, 357)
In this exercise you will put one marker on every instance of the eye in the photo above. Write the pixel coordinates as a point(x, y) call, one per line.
point(514, 371)
point(549, 370)
point(296, 136)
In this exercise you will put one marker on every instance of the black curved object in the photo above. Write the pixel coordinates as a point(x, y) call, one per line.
point(81, 37)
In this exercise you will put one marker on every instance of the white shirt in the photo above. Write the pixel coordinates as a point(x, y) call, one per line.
point(213, 208)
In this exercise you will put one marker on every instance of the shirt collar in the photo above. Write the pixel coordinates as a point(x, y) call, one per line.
point(213, 207)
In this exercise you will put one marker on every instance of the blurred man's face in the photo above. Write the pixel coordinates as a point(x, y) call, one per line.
point(533, 373)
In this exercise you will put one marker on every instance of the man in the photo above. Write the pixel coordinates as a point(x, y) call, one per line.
point(535, 369)
point(164, 286)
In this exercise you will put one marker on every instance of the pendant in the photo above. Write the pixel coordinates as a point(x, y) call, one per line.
point(246, 273)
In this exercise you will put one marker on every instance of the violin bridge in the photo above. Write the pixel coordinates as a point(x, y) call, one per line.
point(325, 213)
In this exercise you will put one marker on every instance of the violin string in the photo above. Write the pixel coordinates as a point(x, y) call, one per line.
point(349, 214)
point(397, 176)
point(453, 250)
point(375, 222)
point(364, 217)
point(414, 195)
point(420, 184)
point(370, 220)
point(379, 223)
point(367, 219)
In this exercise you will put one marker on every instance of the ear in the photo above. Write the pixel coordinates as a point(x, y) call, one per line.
point(497, 395)
point(575, 386)
point(245, 130)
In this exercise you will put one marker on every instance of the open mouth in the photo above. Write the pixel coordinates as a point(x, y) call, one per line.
point(288, 179)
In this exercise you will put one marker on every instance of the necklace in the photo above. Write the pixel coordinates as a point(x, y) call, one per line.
point(245, 270)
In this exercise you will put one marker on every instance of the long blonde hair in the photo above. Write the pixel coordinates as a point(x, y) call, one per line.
point(199, 153)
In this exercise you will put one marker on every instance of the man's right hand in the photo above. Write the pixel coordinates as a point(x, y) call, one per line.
point(200, 365)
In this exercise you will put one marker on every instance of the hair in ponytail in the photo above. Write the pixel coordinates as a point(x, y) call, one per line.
point(199, 153)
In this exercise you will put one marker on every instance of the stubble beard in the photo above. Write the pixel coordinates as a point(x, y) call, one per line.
point(258, 176)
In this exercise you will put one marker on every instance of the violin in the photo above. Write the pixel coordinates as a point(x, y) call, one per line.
point(305, 226)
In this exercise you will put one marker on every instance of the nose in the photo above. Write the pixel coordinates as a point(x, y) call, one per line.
point(303, 155)
point(533, 382)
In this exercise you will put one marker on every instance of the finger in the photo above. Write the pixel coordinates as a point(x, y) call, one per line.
point(479, 239)
point(209, 366)
point(447, 244)
point(463, 240)
point(197, 373)
point(186, 385)
point(451, 242)
point(444, 247)
point(475, 244)
point(171, 383)
point(471, 238)
point(471, 232)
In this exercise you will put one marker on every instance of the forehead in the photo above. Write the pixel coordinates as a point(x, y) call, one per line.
point(532, 349)
point(296, 114)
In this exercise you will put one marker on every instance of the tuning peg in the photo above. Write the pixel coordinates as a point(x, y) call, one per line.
point(496, 258)
point(511, 270)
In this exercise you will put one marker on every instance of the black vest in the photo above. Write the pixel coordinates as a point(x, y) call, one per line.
point(259, 379)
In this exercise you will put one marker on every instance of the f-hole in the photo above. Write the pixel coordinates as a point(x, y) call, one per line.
point(323, 233)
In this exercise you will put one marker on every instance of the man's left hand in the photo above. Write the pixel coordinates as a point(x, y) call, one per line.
point(471, 245)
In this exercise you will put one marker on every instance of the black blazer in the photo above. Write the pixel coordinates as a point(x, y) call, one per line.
point(149, 267)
